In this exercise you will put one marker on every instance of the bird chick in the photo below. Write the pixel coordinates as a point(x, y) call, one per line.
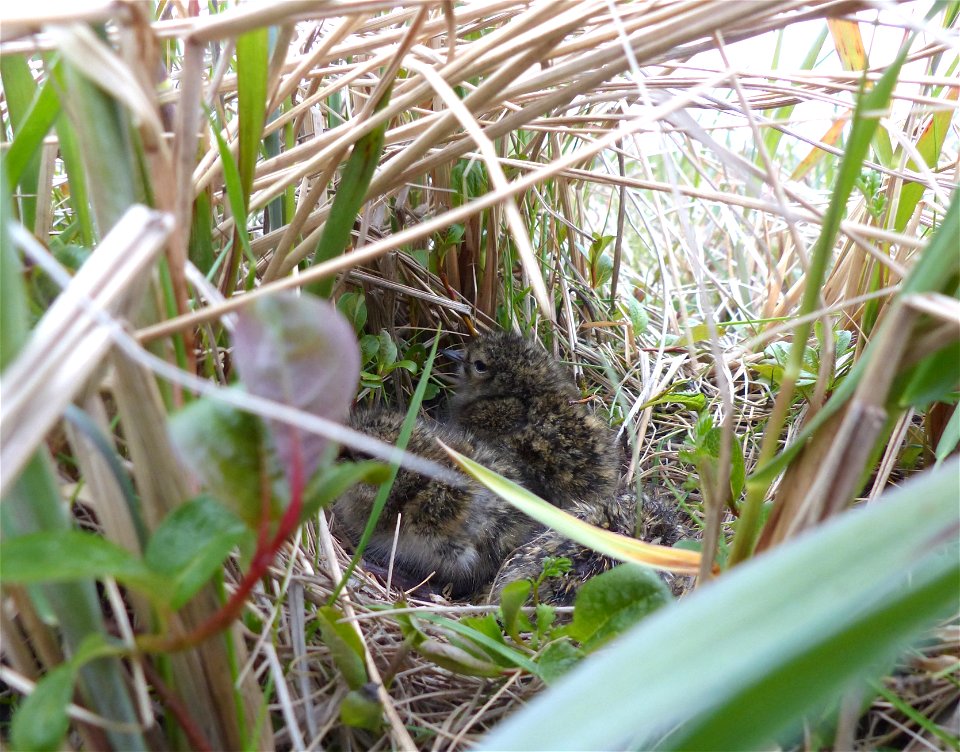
point(520, 399)
point(658, 522)
point(461, 535)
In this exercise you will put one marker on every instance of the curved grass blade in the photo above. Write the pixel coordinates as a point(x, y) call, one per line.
point(605, 542)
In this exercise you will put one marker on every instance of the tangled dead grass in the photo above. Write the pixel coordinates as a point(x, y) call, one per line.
point(536, 129)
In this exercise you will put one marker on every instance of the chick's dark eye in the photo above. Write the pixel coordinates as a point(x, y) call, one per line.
point(479, 366)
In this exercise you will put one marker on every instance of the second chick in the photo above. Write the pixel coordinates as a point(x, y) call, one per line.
point(462, 535)
point(516, 396)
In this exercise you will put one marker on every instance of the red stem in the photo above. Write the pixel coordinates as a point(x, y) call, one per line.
point(263, 557)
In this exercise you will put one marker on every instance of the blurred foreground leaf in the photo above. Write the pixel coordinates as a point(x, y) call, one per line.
point(772, 640)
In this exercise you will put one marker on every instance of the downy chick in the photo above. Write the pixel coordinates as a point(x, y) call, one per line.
point(658, 522)
point(517, 397)
point(460, 534)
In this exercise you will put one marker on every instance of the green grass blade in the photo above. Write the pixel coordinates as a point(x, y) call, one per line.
point(31, 130)
point(381, 500)
point(865, 121)
point(235, 193)
point(934, 271)
point(20, 89)
point(350, 195)
point(252, 52)
point(772, 640)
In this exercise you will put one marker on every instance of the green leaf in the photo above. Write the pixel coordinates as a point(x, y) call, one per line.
point(190, 545)
point(252, 64)
point(407, 365)
point(512, 598)
point(354, 307)
point(20, 89)
point(361, 708)
point(235, 193)
point(14, 316)
point(387, 349)
point(950, 437)
point(777, 637)
point(344, 644)
point(488, 627)
point(69, 556)
point(300, 351)
point(694, 400)
point(495, 645)
point(610, 603)
point(456, 659)
point(32, 128)
point(228, 450)
point(331, 482)
point(639, 318)
point(558, 658)
point(41, 722)
point(349, 198)
point(933, 378)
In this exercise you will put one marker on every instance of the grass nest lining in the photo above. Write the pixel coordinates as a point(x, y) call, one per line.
point(667, 213)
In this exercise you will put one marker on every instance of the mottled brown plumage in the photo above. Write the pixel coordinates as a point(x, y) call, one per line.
point(462, 535)
point(517, 397)
point(657, 523)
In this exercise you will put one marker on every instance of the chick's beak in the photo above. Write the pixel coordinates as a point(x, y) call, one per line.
point(456, 354)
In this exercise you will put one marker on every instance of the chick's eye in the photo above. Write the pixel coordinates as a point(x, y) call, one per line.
point(479, 366)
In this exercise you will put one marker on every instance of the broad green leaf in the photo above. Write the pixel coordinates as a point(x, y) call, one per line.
point(488, 627)
point(349, 197)
point(497, 646)
point(362, 709)
point(694, 400)
point(933, 378)
point(612, 544)
point(69, 556)
point(229, 451)
point(344, 644)
point(610, 603)
point(387, 350)
point(457, 659)
point(190, 545)
point(354, 307)
point(773, 639)
point(299, 351)
point(330, 482)
point(557, 659)
point(41, 721)
point(701, 333)
point(512, 599)
point(636, 313)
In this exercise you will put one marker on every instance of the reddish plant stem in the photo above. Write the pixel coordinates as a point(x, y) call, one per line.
point(263, 557)
point(175, 705)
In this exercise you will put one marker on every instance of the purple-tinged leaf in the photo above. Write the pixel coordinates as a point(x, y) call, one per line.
point(302, 352)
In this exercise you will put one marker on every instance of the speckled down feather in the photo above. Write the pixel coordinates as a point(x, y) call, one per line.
point(462, 535)
point(517, 397)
